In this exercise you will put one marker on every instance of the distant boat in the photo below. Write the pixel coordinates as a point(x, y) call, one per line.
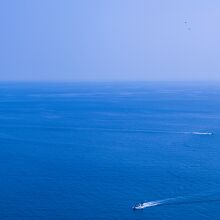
point(140, 206)
point(202, 133)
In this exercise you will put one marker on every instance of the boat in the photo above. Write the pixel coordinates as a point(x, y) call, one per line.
point(140, 206)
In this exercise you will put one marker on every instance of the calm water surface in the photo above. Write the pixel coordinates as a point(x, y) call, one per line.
point(92, 150)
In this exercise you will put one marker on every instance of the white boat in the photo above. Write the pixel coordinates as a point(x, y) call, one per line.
point(140, 206)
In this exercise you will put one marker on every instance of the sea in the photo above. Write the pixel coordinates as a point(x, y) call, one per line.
point(92, 150)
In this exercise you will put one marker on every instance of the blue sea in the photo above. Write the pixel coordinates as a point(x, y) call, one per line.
point(90, 151)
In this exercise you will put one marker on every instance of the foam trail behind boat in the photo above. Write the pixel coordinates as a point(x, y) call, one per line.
point(202, 133)
point(154, 203)
point(179, 201)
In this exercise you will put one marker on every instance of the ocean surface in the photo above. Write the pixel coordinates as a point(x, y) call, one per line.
point(90, 151)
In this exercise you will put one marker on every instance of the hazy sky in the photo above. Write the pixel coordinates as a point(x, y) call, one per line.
point(110, 40)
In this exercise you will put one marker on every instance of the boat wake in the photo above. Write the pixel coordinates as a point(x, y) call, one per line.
point(178, 201)
point(202, 133)
point(144, 131)
point(149, 204)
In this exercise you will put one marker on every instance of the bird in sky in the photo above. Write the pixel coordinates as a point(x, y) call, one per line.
point(186, 23)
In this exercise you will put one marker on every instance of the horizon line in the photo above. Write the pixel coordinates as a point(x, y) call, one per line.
point(108, 81)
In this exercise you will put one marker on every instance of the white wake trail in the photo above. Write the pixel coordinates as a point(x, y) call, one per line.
point(179, 200)
point(149, 204)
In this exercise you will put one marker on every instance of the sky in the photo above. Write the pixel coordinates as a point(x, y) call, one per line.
point(109, 40)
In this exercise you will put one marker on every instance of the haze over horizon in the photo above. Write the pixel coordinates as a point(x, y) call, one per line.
point(117, 40)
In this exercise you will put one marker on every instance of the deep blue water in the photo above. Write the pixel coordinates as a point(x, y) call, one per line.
point(92, 150)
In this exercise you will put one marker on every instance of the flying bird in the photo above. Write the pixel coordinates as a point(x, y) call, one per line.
point(186, 23)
